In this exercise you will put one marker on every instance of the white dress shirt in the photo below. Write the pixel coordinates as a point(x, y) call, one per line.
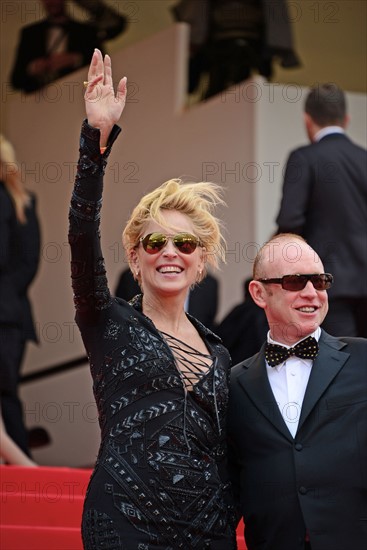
point(327, 130)
point(57, 40)
point(288, 381)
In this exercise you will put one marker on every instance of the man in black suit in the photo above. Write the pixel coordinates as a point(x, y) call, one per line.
point(201, 303)
point(325, 201)
point(297, 414)
point(229, 40)
point(244, 328)
point(52, 48)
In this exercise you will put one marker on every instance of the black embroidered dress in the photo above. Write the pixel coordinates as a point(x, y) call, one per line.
point(160, 481)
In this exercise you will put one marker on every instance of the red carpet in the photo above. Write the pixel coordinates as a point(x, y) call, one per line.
point(41, 508)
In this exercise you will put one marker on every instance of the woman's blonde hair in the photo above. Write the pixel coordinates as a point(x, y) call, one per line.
point(195, 200)
point(11, 177)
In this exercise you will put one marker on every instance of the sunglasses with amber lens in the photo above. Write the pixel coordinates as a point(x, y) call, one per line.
point(321, 281)
point(155, 242)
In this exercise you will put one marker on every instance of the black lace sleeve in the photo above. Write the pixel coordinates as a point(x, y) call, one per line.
point(88, 273)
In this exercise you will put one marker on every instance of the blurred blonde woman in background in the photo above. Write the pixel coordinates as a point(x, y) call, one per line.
point(19, 257)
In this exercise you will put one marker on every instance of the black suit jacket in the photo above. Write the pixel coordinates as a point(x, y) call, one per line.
point(317, 480)
point(243, 330)
point(82, 39)
point(325, 201)
point(203, 301)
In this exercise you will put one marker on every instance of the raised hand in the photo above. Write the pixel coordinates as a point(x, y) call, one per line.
point(103, 107)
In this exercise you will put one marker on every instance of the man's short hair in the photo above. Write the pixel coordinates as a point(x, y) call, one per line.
point(326, 104)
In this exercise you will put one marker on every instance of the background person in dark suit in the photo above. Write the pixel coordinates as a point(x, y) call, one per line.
point(230, 39)
point(244, 328)
point(325, 201)
point(202, 301)
point(19, 258)
point(52, 48)
point(107, 18)
point(297, 425)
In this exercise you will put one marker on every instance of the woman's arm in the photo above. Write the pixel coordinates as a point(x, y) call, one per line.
point(103, 109)
point(9, 450)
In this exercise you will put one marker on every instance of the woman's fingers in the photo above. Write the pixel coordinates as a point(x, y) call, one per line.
point(107, 71)
point(96, 65)
point(122, 89)
point(90, 84)
point(92, 67)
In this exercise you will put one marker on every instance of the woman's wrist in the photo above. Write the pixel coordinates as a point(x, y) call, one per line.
point(104, 133)
point(104, 141)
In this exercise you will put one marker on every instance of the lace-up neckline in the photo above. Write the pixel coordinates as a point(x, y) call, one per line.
point(192, 364)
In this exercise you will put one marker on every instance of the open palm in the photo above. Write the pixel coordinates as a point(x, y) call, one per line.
point(103, 107)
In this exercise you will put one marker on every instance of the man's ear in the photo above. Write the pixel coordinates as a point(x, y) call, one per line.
point(307, 119)
point(346, 121)
point(311, 127)
point(257, 291)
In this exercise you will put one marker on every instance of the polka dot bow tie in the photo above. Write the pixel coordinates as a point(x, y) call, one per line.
point(306, 349)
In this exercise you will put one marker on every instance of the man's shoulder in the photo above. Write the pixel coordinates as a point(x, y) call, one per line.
point(246, 364)
point(80, 27)
point(34, 28)
point(303, 152)
point(348, 344)
point(354, 342)
point(330, 146)
point(335, 142)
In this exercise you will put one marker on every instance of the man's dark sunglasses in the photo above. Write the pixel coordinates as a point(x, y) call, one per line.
point(321, 281)
point(155, 242)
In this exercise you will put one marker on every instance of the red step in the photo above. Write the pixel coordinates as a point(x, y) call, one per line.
point(46, 474)
point(241, 544)
point(25, 537)
point(41, 508)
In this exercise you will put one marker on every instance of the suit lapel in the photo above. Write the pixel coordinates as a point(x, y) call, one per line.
point(254, 381)
point(326, 366)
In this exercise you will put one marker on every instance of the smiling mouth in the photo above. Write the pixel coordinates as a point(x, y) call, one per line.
point(307, 309)
point(170, 269)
